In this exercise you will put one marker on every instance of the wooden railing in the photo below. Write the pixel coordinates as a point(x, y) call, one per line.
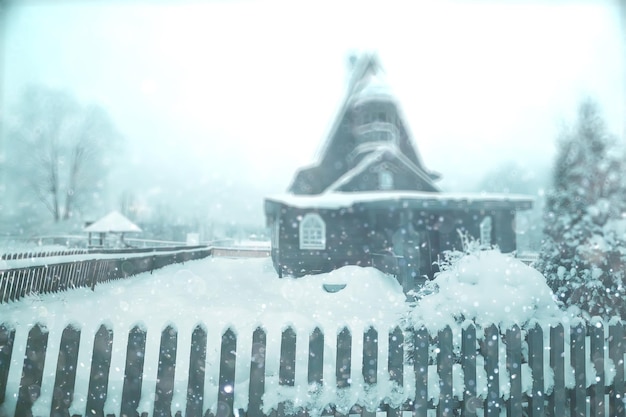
point(440, 375)
point(49, 272)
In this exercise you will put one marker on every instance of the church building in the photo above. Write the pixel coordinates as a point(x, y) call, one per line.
point(369, 199)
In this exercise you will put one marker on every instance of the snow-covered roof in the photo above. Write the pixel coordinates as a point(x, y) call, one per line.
point(367, 78)
point(377, 151)
point(372, 87)
point(114, 222)
point(427, 200)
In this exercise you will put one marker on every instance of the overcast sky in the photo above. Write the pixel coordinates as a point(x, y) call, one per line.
point(210, 90)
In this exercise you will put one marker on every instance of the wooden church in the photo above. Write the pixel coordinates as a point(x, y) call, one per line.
point(369, 200)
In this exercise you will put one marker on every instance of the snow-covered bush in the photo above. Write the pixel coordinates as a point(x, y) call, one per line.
point(485, 287)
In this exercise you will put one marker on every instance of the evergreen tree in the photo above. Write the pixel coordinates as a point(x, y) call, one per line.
point(581, 256)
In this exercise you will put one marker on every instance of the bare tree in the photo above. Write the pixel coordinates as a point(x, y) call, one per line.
point(60, 149)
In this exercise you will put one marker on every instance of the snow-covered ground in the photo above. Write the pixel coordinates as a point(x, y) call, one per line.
point(243, 294)
point(217, 294)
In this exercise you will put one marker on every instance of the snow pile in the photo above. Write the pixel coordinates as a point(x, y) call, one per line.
point(485, 287)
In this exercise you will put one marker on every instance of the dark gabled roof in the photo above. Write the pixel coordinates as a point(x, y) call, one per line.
point(365, 64)
point(318, 178)
point(373, 157)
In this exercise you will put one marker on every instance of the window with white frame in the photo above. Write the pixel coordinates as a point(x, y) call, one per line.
point(312, 232)
point(385, 179)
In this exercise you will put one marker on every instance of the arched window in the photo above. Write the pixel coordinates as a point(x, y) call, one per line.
point(485, 232)
point(312, 232)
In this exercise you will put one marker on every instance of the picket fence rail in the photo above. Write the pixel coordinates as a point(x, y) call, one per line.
point(50, 272)
point(407, 355)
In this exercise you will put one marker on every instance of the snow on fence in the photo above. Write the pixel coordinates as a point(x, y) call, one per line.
point(38, 273)
point(98, 372)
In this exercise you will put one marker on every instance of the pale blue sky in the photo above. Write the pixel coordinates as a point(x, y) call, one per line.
point(208, 90)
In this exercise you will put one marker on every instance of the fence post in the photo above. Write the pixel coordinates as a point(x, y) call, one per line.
point(257, 373)
point(596, 333)
point(195, 385)
point(316, 357)
point(395, 364)
point(133, 376)
point(370, 356)
point(514, 366)
point(3, 285)
point(66, 371)
point(99, 376)
point(370, 365)
point(344, 358)
point(444, 369)
point(468, 361)
point(420, 363)
point(556, 403)
point(165, 373)
point(578, 401)
point(616, 353)
point(226, 392)
point(32, 372)
point(535, 360)
point(287, 371)
point(492, 401)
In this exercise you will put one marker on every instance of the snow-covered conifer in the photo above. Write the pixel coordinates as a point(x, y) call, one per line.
point(582, 253)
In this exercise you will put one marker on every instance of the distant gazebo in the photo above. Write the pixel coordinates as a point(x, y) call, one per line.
point(114, 222)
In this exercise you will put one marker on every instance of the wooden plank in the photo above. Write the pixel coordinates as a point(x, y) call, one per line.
point(578, 396)
point(395, 364)
point(11, 284)
point(445, 407)
point(165, 373)
point(29, 282)
point(21, 279)
point(396, 356)
point(596, 345)
point(316, 357)
point(421, 345)
point(228, 358)
point(617, 348)
point(195, 384)
point(492, 400)
point(556, 401)
point(32, 372)
point(41, 273)
point(344, 358)
point(287, 371)
point(133, 375)
point(535, 361)
point(514, 367)
point(257, 373)
point(3, 285)
point(370, 356)
point(7, 338)
point(468, 361)
point(66, 372)
point(99, 376)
